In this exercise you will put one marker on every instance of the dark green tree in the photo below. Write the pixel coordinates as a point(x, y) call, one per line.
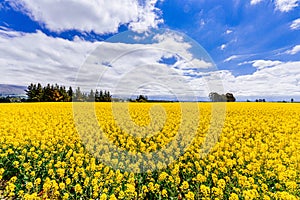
point(142, 98)
point(230, 97)
point(70, 93)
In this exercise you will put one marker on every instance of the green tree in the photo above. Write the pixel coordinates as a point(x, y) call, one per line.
point(230, 97)
point(79, 96)
point(141, 98)
point(215, 97)
point(70, 93)
point(91, 96)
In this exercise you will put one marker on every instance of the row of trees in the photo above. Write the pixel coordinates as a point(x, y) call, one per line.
point(5, 99)
point(215, 97)
point(56, 93)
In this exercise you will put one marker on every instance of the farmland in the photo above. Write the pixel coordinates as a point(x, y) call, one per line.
point(47, 153)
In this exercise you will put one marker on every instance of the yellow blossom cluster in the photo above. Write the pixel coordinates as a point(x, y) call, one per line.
point(150, 151)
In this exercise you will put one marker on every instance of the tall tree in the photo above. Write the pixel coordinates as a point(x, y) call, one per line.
point(91, 96)
point(79, 96)
point(29, 92)
point(70, 93)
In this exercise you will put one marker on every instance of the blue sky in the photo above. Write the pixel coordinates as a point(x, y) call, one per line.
point(255, 44)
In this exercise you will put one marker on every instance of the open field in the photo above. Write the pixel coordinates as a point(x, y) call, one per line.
point(46, 154)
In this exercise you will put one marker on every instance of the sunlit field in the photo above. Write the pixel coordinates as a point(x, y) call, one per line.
point(43, 155)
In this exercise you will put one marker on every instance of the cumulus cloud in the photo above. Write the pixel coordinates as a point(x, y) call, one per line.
point(260, 64)
point(131, 67)
point(37, 57)
point(294, 50)
point(112, 65)
point(254, 2)
point(269, 82)
point(105, 64)
point(286, 5)
point(295, 24)
point(99, 16)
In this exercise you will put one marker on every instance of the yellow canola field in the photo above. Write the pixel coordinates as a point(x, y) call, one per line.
point(153, 151)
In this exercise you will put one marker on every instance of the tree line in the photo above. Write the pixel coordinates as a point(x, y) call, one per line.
point(59, 93)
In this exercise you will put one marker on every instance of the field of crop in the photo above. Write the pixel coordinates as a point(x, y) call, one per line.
point(46, 154)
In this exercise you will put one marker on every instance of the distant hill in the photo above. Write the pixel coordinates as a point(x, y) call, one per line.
point(6, 89)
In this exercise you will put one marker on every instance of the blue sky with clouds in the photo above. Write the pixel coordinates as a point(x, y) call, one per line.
point(255, 44)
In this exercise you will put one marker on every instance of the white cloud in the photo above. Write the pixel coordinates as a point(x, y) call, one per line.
point(228, 31)
point(56, 60)
point(286, 5)
point(202, 23)
point(233, 57)
point(103, 16)
point(295, 24)
point(271, 81)
point(260, 64)
point(281, 80)
point(276, 82)
point(36, 57)
point(254, 2)
point(295, 50)
point(223, 46)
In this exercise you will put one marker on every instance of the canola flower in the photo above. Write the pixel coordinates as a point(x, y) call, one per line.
point(257, 156)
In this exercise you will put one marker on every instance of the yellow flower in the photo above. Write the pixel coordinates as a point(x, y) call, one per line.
point(21, 193)
point(51, 172)
point(112, 197)
point(221, 184)
point(164, 193)
point(60, 172)
point(103, 196)
point(13, 179)
point(185, 185)
point(2, 170)
point(252, 151)
point(66, 196)
point(177, 180)
point(266, 197)
point(144, 189)
point(37, 181)
point(10, 187)
point(204, 190)
point(29, 185)
point(190, 196)
point(201, 178)
point(78, 189)
point(68, 181)
point(162, 176)
point(121, 195)
point(233, 196)
point(95, 194)
point(62, 186)
point(151, 187)
point(32, 173)
point(16, 164)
